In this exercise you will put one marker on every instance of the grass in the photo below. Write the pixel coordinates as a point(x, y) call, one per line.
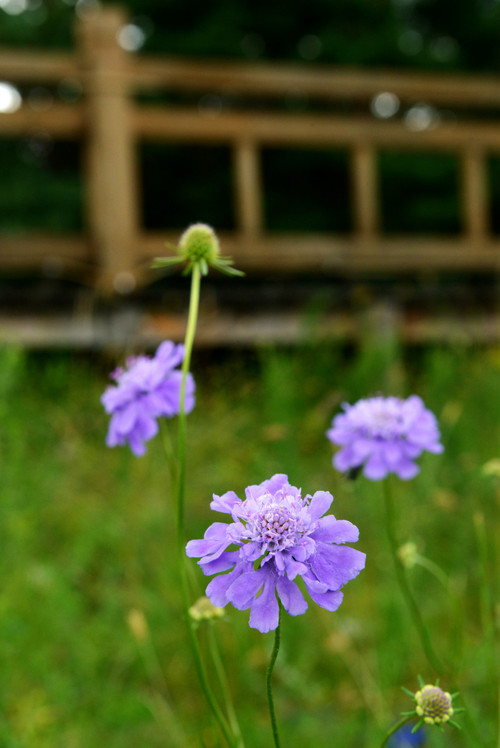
point(92, 644)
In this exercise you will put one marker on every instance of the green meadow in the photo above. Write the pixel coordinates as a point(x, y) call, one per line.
point(93, 645)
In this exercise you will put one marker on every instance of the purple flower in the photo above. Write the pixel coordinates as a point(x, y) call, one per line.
point(405, 738)
point(384, 435)
point(145, 390)
point(279, 535)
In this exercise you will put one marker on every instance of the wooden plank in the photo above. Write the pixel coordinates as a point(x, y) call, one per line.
point(130, 329)
point(177, 124)
point(247, 187)
point(63, 121)
point(54, 253)
point(278, 79)
point(323, 253)
point(30, 66)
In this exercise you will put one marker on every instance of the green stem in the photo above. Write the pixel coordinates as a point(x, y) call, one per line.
point(405, 587)
point(395, 728)
point(221, 674)
point(194, 301)
point(270, 700)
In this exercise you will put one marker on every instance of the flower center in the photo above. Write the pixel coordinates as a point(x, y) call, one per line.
point(276, 523)
point(384, 424)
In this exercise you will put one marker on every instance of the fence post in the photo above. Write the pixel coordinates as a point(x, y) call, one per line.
point(475, 198)
point(111, 176)
point(247, 186)
point(365, 191)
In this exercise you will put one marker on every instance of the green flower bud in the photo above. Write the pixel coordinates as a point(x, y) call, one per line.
point(433, 705)
point(198, 248)
point(408, 555)
point(204, 610)
point(199, 244)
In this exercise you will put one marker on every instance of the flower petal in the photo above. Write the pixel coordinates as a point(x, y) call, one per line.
point(331, 530)
point(320, 503)
point(264, 613)
point(290, 595)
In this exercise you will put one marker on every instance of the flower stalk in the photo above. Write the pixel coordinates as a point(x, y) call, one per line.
point(404, 586)
point(270, 700)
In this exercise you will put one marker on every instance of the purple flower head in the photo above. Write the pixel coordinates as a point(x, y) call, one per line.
point(145, 389)
point(384, 435)
point(406, 738)
point(279, 536)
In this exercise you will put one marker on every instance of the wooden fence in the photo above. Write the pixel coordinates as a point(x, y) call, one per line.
point(115, 251)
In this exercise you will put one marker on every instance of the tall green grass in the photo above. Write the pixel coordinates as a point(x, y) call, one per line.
point(87, 552)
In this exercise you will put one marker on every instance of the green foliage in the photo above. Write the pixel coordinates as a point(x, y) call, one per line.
point(87, 537)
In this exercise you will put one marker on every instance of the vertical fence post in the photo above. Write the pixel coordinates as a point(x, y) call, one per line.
point(111, 199)
point(364, 191)
point(248, 188)
point(475, 208)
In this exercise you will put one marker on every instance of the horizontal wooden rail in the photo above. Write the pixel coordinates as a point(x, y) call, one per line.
point(37, 67)
point(57, 254)
point(311, 130)
point(264, 79)
point(279, 79)
point(65, 121)
point(303, 253)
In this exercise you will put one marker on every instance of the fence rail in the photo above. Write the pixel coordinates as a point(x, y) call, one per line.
point(115, 252)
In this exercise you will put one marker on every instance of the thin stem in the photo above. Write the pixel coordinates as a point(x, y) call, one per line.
point(395, 728)
point(168, 449)
point(270, 700)
point(221, 674)
point(194, 301)
point(405, 587)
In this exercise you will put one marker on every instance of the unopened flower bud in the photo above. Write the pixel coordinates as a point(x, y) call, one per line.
point(204, 610)
point(137, 624)
point(433, 705)
point(198, 248)
point(199, 243)
point(408, 555)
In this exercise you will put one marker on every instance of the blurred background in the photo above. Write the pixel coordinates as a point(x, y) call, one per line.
point(347, 153)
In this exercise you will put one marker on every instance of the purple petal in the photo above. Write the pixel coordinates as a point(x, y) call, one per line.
point(330, 600)
point(320, 503)
point(225, 503)
point(224, 562)
point(243, 590)
point(331, 530)
point(264, 613)
point(292, 598)
point(336, 564)
point(275, 483)
point(217, 588)
point(375, 467)
point(170, 354)
point(344, 460)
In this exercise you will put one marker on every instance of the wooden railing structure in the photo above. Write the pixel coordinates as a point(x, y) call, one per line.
point(114, 253)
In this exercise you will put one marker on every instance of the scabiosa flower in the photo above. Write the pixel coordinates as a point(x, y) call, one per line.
point(384, 435)
point(146, 389)
point(280, 536)
point(405, 737)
